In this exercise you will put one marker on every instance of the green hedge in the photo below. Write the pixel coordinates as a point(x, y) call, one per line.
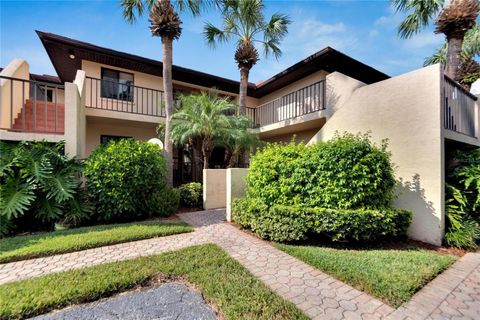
point(291, 223)
point(347, 172)
point(191, 195)
point(126, 181)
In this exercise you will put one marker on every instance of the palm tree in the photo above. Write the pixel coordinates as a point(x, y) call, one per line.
point(164, 23)
point(244, 20)
point(238, 139)
point(469, 70)
point(202, 117)
point(454, 19)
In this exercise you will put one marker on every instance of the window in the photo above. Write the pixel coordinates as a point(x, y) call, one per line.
point(117, 85)
point(104, 139)
point(42, 92)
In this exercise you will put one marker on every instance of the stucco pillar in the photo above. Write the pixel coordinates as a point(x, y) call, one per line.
point(235, 187)
point(214, 188)
point(75, 121)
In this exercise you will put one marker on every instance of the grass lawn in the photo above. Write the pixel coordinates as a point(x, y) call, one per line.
point(223, 281)
point(390, 275)
point(50, 243)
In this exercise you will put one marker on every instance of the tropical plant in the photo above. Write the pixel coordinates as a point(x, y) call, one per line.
point(453, 18)
point(39, 186)
point(245, 21)
point(239, 139)
point(126, 181)
point(202, 117)
point(164, 23)
point(191, 195)
point(463, 201)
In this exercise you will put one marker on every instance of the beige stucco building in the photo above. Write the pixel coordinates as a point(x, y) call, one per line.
point(102, 94)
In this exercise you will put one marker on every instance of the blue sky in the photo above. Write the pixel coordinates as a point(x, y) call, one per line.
point(365, 30)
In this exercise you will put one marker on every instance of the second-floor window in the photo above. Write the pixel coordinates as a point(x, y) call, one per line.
point(117, 85)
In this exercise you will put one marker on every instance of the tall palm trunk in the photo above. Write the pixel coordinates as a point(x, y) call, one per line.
point(454, 55)
point(242, 99)
point(207, 149)
point(168, 91)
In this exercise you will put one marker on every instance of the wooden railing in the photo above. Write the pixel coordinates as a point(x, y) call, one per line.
point(294, 104)
point(459, 108)
point(123, 97)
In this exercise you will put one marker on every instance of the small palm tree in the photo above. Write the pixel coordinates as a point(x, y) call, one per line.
point(244, 20)
point(164, 23)
point(454, 19)
point(239, 139)
point(202, 117)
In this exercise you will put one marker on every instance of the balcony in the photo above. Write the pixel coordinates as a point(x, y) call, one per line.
point(31, 106)
point(295, 104)
point(459, 108)
point(123, 97)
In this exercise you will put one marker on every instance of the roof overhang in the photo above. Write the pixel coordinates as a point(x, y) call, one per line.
point(60, 48)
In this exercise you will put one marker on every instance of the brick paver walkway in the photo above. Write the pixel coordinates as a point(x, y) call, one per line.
point(453, 295)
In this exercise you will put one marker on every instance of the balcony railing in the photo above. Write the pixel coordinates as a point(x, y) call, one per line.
point(459, 108)
point(295, 104)
point(123, 97)
point(31, 106)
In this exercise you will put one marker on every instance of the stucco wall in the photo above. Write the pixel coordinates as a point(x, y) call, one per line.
point(300, 136)
point(11, 91)
point(406, 111)
point(97, 127)
point(235, 187)
point(214, 188)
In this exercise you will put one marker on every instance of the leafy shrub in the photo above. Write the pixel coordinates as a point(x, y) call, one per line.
point(462, 201)
point(347, 172)
point(291, 223)
point(191, 195)
point(165, 202)
point(39, 186)
point(466, 236)
point(126, 180)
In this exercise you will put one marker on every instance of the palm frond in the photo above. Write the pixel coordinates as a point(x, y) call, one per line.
point(135, 8)
point(420, 14)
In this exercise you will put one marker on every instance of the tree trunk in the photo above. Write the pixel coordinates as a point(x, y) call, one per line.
point(207, 148)
point(242, 99)
point(232, 160)
point(168, 94)
point(454, 55)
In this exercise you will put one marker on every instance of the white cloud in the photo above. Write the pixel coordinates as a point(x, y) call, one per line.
point(424, 39)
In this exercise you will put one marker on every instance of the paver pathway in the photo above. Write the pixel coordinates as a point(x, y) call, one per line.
point(454, 293)
point(170, 301)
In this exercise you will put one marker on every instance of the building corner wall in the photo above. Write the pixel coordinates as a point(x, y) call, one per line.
point(75, 121)
point(406, 110)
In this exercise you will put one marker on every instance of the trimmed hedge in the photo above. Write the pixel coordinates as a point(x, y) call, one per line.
point(292, 223)
point(126, 181)
point(191, 195)
point(347, 172)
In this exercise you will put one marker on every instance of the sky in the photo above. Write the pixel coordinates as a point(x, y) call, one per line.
point(364, 30)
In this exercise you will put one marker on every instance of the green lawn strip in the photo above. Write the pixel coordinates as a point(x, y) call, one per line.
point(50, 243)
point(390, 275)
point(222, 280)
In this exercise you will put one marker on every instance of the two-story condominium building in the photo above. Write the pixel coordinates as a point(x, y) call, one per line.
point(102, 94)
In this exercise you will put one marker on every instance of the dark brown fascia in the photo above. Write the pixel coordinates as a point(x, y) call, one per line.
point(328, 59)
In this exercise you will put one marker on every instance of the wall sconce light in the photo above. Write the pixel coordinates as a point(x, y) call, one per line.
point(71, 55)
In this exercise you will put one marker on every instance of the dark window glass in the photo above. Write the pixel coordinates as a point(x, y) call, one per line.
point(117, 85)
point(104, 139)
